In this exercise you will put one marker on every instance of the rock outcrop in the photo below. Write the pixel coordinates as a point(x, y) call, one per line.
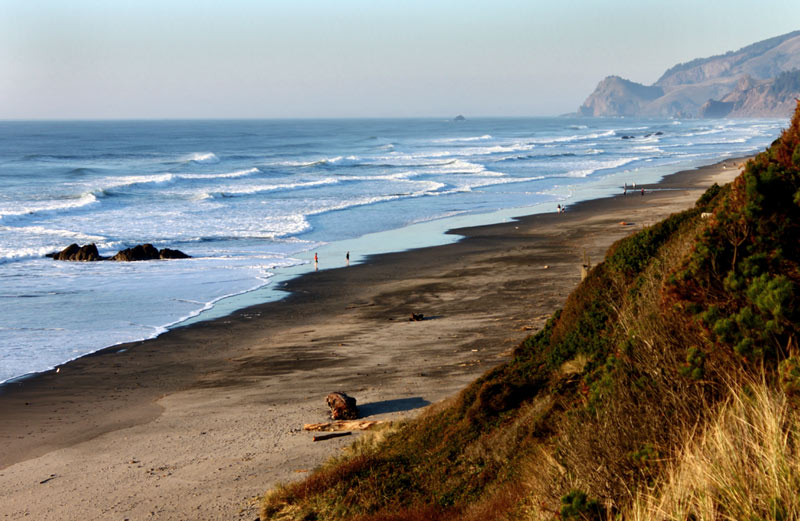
point(616, 96)
point(142, 252)
point(167, 253)
point(73, 252)
point(139, 252)
point(755, 81)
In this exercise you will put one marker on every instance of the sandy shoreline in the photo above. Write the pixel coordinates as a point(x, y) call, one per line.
point(195, 423)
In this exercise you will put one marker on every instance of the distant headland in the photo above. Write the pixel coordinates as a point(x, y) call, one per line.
point(760, 80)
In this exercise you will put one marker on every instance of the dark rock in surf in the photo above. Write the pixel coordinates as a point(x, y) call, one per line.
point(139, 252)
point(459, 118)
point(88, 253)
point(75, 253)
point(167, 253)
point(142, 252)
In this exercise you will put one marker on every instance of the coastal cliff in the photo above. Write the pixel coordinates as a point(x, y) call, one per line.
point(760, 80)
point(633, 401)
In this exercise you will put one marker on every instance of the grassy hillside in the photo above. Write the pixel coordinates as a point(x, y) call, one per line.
point(605, 412)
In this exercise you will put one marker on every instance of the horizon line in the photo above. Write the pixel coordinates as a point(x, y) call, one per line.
point(276, 118)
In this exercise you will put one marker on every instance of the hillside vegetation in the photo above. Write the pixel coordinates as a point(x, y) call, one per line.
point(666, 388)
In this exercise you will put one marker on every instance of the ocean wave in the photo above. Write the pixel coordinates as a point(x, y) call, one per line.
point(417, 158)
point(455, 166)
point(491, 181)
point(317, 162)
point(484, 137)
point(550, 140)
point(256, 189)
point(596, 166)
point(23, 254)
point(224, 175)
point(42, 230)
point(48, 207)
point(201, 157)
point(649, 148)
point(526, 157)
point(108, 185)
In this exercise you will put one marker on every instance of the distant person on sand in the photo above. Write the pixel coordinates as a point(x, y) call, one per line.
point(625, 191)
point(316, 262)
point(347, 258)
point(559, 208)
point(642, 191)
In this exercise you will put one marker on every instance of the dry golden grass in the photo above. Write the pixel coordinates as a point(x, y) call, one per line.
point(743, 466)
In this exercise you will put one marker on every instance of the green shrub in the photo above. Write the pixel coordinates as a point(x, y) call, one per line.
point(789, 376)
point(577, 506)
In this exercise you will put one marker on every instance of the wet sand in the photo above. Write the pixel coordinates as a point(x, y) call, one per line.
point(196, 423)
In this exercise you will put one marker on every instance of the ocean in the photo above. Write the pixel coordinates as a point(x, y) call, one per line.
point(253, 200)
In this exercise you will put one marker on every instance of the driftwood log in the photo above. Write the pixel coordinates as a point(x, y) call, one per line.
point(343, 407)
point(329, 436)
point(343, 425)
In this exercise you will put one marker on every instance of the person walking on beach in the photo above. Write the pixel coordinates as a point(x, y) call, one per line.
point(316, 262)
point(642, 191)
point(347, 258)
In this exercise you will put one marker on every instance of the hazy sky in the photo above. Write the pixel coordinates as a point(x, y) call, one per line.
point(347, 58)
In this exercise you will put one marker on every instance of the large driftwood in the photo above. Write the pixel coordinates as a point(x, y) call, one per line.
point(343, 407)
point(347, 425)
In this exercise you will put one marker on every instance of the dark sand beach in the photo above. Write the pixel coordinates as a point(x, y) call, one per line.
point(197, 422)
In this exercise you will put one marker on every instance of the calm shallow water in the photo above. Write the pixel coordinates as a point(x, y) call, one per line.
point(251, 199)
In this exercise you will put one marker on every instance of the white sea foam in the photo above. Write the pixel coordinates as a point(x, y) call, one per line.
point(318, 162)
point(42, 230)
point(47, 207)
point(551, 140)
point(590, 167)
point(202, 157)
point(256, 189)
point(484, 137)
point(110, 184)
point(455, 166)
point(224, 175)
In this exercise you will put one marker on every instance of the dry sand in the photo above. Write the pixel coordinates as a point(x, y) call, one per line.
point(198, 422)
